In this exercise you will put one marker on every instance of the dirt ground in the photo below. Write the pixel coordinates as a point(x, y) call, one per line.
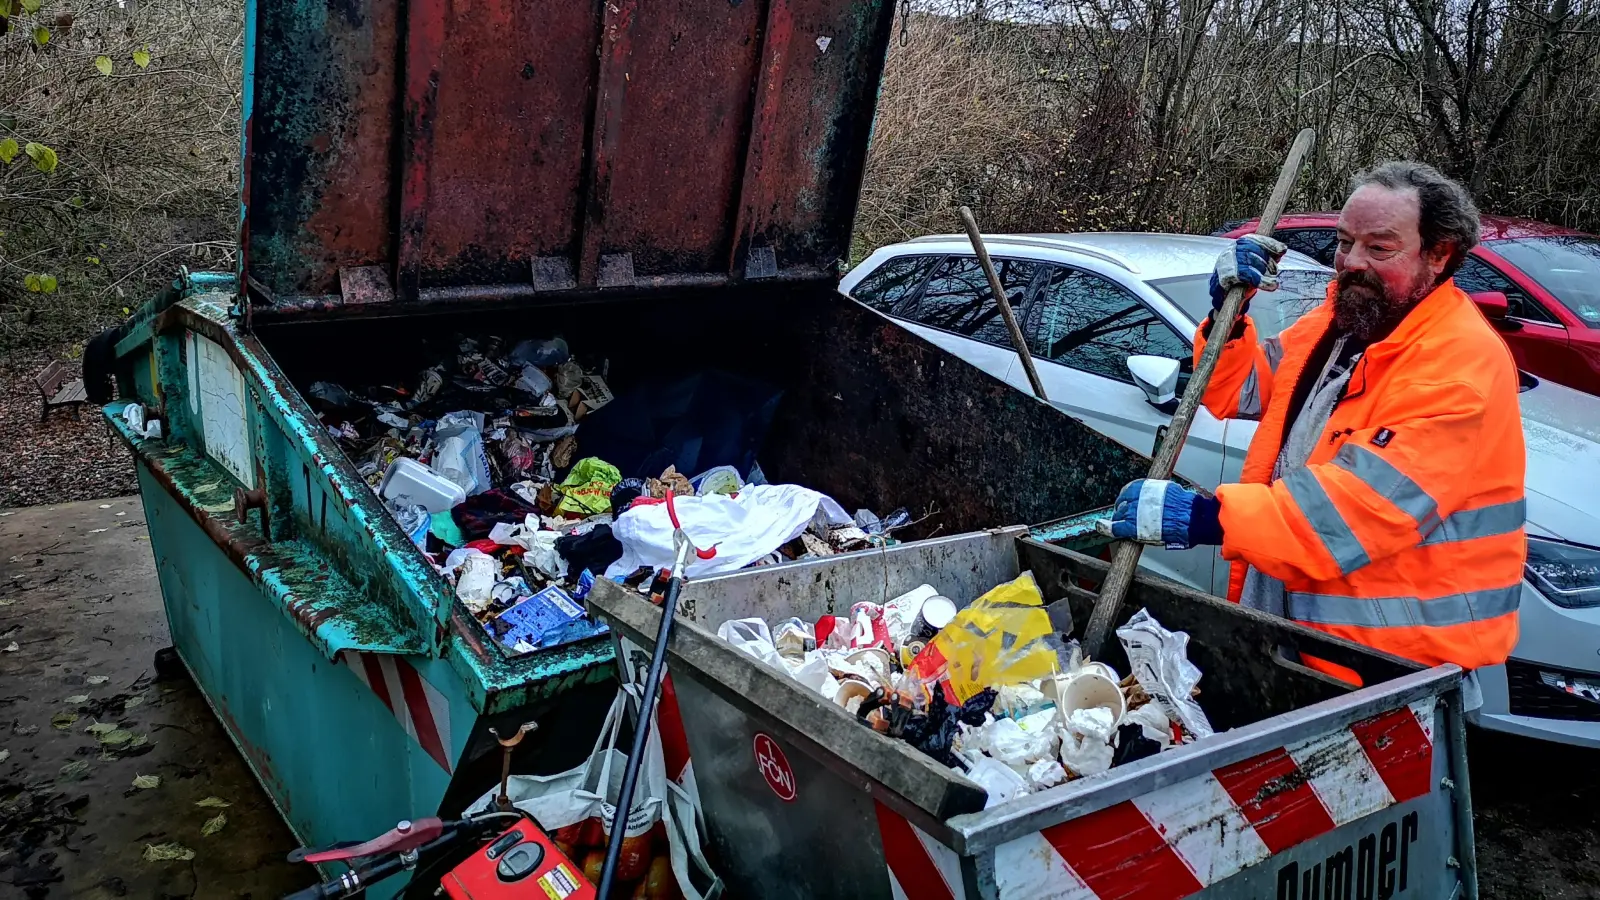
point(69, 457)
point(78, 598)
point(80, 623)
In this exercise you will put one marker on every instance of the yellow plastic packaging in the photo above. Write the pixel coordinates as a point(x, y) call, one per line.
point(998, 640)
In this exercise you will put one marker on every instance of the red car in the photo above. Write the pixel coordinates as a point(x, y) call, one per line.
point(1550, 277)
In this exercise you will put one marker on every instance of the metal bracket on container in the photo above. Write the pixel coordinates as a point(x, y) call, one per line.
point(553, 273)
point(616, 270)
point(364, 284)
point(244, 501)
point(760, 262)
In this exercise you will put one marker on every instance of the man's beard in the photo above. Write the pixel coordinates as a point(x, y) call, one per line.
point(1364, 309)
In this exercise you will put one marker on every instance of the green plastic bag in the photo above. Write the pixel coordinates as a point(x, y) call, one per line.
point(587, 488)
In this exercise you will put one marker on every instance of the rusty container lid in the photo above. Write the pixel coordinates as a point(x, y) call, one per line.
point(531, 150)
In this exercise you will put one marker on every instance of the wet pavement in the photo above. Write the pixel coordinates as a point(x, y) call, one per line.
point(84, 712)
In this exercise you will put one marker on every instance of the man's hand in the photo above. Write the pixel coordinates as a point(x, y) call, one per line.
point(1253, 262)
point(1163, 513)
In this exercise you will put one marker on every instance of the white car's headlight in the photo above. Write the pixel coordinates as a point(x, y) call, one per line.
point(1568, 575)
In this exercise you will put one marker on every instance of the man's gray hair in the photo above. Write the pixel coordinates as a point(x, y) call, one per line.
point(1445, 209)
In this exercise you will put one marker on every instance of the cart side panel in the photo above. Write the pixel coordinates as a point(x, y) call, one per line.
point(1363, 811)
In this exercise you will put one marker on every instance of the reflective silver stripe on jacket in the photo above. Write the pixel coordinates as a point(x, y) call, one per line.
point(1250, 397)
point(1318, 508)
point(1404, 612)
point(1390, 483)
point(1485, 521)
point(1274, 350)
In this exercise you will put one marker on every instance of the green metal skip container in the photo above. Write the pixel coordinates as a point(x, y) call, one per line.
point(670, 185)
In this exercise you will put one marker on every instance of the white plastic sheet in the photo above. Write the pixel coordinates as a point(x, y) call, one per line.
point(743, 528)
point(1160, 662)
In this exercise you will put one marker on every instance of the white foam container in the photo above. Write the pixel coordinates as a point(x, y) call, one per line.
point(409, 481)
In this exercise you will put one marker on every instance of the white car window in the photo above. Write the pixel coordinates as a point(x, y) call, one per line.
point(1093, 324)
point(894, 281)
point(957, 299)
point(1299, 292)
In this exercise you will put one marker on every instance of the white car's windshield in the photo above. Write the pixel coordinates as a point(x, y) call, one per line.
point(1299, 291)
point(1568, 267)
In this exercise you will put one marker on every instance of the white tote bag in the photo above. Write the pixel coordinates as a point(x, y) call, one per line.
point(592, 789)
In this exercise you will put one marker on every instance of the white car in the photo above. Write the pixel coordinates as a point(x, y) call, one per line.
point(1096, 308)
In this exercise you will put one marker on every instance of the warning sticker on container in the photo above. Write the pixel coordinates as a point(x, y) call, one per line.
point(559, 883)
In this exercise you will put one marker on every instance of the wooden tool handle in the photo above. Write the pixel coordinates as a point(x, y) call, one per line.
point(1125, 558)
point(995, 287)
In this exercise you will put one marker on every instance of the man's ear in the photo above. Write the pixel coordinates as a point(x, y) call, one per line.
point(1438, 257)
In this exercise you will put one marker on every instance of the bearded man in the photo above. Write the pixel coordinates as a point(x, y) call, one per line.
point(1382, 496)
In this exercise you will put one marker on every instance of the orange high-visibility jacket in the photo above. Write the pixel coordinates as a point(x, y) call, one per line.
point(1404, 531)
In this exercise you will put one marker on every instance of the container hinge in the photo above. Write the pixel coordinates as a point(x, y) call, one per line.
point(364, 284)
point(553, 273)
point(760, 262)
point(616, 270)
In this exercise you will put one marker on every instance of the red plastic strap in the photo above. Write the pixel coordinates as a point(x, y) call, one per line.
point(672, 513)
point(392, 841)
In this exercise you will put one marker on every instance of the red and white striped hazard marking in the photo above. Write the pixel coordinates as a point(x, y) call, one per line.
point(1179, 840)
point(418, 706)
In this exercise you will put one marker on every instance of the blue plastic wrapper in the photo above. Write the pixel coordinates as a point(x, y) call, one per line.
point(535, 620)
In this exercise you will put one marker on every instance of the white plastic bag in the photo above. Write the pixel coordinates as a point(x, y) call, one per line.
point(1160, 662)
point(475, 582)
point(743, 528)
point(459, 455)
point(592, 789)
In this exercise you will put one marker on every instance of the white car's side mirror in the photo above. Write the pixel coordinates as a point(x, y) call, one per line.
point(1157, 376)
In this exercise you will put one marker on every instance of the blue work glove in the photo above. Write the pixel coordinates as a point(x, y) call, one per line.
point(1164, 513)
point(1253, 262)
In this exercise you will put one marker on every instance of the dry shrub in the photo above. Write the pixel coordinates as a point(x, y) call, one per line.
point(147, 159)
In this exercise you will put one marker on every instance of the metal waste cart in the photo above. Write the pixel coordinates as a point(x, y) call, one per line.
point(672, 183)
point(1310, 790)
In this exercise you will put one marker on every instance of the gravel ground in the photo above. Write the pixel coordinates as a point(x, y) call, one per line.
point(70, 457)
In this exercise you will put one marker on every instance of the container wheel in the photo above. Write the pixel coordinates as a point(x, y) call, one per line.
point(169, 666)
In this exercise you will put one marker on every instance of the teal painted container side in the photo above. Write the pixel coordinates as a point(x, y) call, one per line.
point(333, 757)
point(336, 659)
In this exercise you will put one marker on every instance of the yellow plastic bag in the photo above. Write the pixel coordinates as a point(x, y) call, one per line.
point(587, 488)
point(1000, 639)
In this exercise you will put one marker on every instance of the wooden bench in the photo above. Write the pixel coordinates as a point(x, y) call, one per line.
point(55, 389)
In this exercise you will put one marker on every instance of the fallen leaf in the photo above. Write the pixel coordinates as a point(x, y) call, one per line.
point(214, 824)
point(103, 64)
point(41, 36)
point(44, 159)
point(77, 698)
point(105, 506)
point(98, 679)
point(9, 148)
point(146, 782)
point(213, 803)
point(123, 513)
point(167, 853)
point(5, 755)
point(141, 58)
point(7, 601)
point(116, 738)
point(139, 740)
point(64, 720)
point(98, 530)
point(76, 770)
point(9, 648)
point(132, 702)
point(102, 728)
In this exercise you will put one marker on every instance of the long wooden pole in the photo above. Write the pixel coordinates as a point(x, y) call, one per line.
point(1125, 559)
point(1000, 299)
